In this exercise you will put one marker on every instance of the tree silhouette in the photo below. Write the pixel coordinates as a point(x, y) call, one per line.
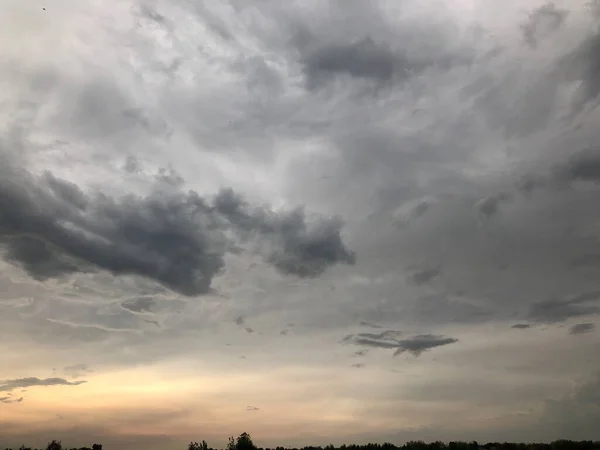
point(54, 445)
point(197, 446)
point(244, 442)
point(97, 447)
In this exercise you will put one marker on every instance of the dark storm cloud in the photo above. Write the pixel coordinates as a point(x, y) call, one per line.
point(542, 22)
point(521, 326)
point(582, 328)
point(301, 249)
point(553, 311)
point(51, 228)
point(387, 340)
point(139, 304)
point(9, 385)
point(357, 41)
point(581, 166)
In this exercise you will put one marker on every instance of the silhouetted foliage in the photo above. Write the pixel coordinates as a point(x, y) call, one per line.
point(54, 445)
point(195, 446)
point(244, 442)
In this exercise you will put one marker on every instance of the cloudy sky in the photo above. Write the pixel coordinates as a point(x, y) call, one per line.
point(315, 221)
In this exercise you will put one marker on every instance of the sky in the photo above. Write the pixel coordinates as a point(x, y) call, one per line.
point(313, 221)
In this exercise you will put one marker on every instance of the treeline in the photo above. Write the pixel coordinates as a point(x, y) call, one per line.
point(244, 442)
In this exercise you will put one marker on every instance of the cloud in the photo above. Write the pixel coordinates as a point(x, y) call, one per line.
point(425, 275)
point(10, 400)
point(132, 165)
point(583, 165)
point(521, 326)
point(77, 370)
point(364, 323)
point(422, 343)
point(582, 328)
point(489, 206)
point(139, 304)
point(362, 59)
point(574, 414)
point(301, 249)
point(172, 237)
point(553, 311)
point(239, 320)
point(169, 176)
point(542, 22)
point(252, 408)
point(358, 365)
point(388, 340)
point(10, 385)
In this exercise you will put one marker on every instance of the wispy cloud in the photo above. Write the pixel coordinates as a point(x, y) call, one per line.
point(10, 385)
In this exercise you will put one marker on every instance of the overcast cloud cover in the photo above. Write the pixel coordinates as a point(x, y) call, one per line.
point(340, 221)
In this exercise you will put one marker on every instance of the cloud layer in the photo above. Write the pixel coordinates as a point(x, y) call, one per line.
point(208, 206)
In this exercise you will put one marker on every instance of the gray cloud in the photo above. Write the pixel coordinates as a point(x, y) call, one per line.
point(542, 22)
point(10, 385)
point(388, 340)
point(583, 165)
point(489, 206)
point(363, 59)
point(384, 113)
point(132, 165)
point(139, 304)
point(422, 343)
point(77, 370)
point(175, 238)
point(239, 320)
point(553, 311)
point(582, 328)
point(302, 249)
point(574, 414)
point(425, 275)
point(169, 176)
point(369, 324)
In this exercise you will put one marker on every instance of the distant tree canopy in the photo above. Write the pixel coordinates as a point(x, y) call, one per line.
point(244, 442)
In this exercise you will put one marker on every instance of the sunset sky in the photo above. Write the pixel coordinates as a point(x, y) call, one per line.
point(314, 221)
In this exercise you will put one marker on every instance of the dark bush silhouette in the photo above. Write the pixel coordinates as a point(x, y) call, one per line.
point(54, 445)
point(195, 446)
